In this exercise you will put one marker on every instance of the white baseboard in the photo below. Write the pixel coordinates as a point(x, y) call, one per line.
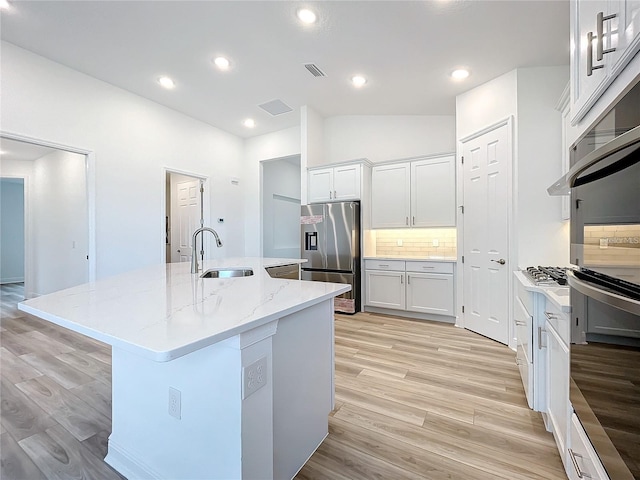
point(126, 464)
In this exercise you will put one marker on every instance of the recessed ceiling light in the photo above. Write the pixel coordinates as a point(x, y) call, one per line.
point(358, 81)
point(460, 74)
point(249, 123)
point(307, 16)
point(222, 63)
point(166, 82)
point(4, 5)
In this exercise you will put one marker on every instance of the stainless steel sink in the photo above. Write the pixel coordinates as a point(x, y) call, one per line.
point(227, 272)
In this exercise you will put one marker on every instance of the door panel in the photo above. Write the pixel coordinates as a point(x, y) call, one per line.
point(485, 180)
point(185, 219)
point(341, 227)
point(313, 236)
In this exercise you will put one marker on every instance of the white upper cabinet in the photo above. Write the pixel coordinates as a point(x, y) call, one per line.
point(320, 185)
point(419, 193)
point(605, 35)
point(391, 195)
point(433, 194)
point(346, 182)
point(335, 184)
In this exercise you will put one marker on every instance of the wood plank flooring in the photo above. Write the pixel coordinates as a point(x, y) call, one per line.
point(414, 400)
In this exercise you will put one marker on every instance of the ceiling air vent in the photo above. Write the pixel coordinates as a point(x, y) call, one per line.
point(315, 71)
point(276, 107)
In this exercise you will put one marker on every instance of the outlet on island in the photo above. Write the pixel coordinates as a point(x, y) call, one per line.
point(254, 377)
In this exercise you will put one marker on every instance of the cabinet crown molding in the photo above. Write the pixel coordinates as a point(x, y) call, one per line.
point(413, 159)
point(361, 161)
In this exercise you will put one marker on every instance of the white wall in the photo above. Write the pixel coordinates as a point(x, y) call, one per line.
point(11, 230)
point(542, 234)
point(283, 143)
point(281, 208)
point(386, 137)
point(133, 140)
point(529, 96)
point(58, 223)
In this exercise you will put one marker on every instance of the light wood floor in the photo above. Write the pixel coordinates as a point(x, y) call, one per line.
point(414, 400)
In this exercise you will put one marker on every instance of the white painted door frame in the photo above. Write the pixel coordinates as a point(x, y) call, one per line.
point(90, 169)
point(511, 216)
point(206, 202)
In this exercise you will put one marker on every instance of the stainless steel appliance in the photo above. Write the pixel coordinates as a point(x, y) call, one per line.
point(331, 245)
point(604, 180)
point(291, 272)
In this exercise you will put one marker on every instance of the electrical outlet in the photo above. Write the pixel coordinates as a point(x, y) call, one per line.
point(435, 242)
point(399, 242)
point(175, 403)
point(254, 377)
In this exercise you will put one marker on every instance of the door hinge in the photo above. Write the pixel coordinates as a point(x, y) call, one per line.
point(87, 257)
point(462, 258)
point(462, 209)
point(462, 159)
point(462, 308)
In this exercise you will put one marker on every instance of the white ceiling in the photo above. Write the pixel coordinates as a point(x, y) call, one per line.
point(406, 49)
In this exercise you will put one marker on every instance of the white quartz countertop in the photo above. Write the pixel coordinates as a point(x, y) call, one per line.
point(416, 259)
point(163, 311)
point(559, 295)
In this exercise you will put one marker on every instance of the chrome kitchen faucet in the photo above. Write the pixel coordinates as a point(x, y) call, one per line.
point(194, 257)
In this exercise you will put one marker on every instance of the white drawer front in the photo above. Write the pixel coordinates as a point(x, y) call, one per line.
point(391, 265)
point(430, 267)
point(558, 319)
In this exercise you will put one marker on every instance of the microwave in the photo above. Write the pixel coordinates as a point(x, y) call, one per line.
point(604, 186)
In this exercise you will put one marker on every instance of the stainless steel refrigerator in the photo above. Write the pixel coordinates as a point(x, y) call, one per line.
point(331, 245)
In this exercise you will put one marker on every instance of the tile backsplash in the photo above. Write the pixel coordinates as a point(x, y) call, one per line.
point(416, 242)
point(615, 245)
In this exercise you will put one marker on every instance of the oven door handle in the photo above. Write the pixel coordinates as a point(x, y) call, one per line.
point(618, 301)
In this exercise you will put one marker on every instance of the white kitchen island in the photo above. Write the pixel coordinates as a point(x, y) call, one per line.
point(184, 350)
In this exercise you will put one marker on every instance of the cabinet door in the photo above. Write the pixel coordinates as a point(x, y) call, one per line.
point(627, 25)
point(433, 192)
point(386, 289)
point(586, 89)
point(558, 408)
point(430, 293)
point(390, 195)
point(346, 182)
point(320, 185)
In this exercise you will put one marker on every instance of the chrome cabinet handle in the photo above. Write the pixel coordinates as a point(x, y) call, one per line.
point(401, 281)
point(551, 316)
point(518, 362)
point(408, 279)
point(414, 220)
point(579, 471)
point(335, 195)
point(502, 261)
point(590, 66)
point(540, 331)
point(427, 267)
point(520, 323)
point(406, 221)
point(330, 197)
point(600, 19)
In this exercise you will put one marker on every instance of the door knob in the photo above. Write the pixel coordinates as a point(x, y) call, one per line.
point(501, 261)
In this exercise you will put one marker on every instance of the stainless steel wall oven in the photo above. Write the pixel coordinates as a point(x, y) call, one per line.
point(604, 182)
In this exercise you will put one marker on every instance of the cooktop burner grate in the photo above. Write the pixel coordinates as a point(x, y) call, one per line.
point(547, 275)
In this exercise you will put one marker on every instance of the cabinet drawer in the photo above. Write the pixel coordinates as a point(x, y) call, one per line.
point(558, 320)
point(526, 297)
point(523, 327)
point(430, 267)
point(583, 460)
point(392, 265)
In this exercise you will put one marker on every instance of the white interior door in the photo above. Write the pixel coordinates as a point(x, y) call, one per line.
point(185, 218)
point(485, 238)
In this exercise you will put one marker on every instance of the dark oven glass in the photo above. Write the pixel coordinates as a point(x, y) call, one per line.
point(605, 288)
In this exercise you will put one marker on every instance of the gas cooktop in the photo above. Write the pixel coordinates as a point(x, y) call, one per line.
point(546, 275)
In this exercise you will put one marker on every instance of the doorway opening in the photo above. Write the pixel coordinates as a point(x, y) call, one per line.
point(281, 207)
point(186, 201)
point(58, 239)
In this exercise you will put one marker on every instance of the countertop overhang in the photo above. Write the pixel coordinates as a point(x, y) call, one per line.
point(163, 312)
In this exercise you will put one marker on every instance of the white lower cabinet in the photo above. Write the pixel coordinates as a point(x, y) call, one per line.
point(582, 458)
point(430, 293)
point(413, 286)
point(386, 289)
point(558, 407)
